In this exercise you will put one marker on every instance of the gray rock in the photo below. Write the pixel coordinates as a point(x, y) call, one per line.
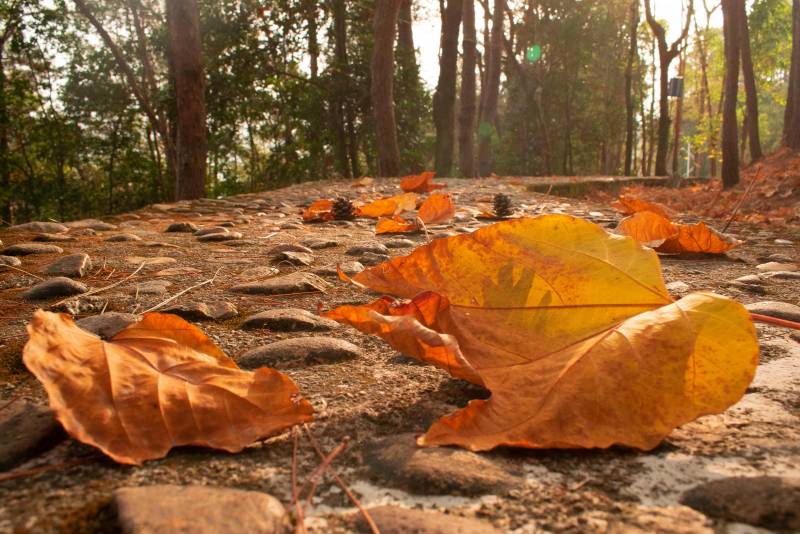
point(294, 258)
point(92, 224)
point(780, 258)
point(59, 286)
point(24, 249)
point(750, 288)
point(107, 325)
point(289, 320)
point(679, 289)
point(775, 266)
point(752, 279)
point(211, 230)
point(397, 520)
point(783, 242)
point(398, 462)
point(198, 510)
point(783, 275)
point(41, 226)
point(769, 502)
point(316, 244)
point(28, 430)
point(151, 287)
point(181, 227)
point(73, 265)
point(53, 238)
point(123, 237)
point(220, 236)
point(781, 310)
point(289, 247)
point(308, 349)
point(201, 311)
point(399, 243)
point(299, 282)
point(291, 226)
point(362, 248)
point(368, 258)
point(349, 268)
point(262, 271)
point(10, 260)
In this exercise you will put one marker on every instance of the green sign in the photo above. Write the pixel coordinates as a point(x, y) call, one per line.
point(533, 54)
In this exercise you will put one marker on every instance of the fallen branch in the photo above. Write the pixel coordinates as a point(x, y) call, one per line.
point(766, 319)
point(301, 522)
point(316, 475)
point(178, 294)
point(43, 469)
point(100, 290)
point(341, 483)
point(22, 271)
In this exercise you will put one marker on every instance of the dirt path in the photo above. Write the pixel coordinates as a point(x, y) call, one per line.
point(377, 397)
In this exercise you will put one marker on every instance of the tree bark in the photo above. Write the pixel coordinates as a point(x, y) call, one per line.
point(750, 88)
point(444, 99)
point(791, 119)
point(466, 130)
point(676, 142)
point(665, 55)
point(339, 104)
point(183, 22)
point(629, 104)
point(732, 33)
point(490, 92)
point(405, 32)
point(384, 29)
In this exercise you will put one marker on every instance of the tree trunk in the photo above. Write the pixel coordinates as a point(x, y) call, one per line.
point(732, 32)
point(676, 142)
point(384, 29)
point(185, 48)
point(444, 99)
point(466, 131)
point(750, 88)
point(490, 92)
point(791, 119)
point(340, 83)
point(629, 104)
point(5, 168)
point(405, 32)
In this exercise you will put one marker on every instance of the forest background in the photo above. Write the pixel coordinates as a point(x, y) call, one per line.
point(108, 105)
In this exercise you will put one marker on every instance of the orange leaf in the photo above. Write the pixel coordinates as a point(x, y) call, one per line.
point(386, 207)
point(395, 225)
point(319, 210)
point(648, 228)
point(570, 328)
point(698, 238)
point(437, 208)
point(631, 205)
point(421, 183)
point(160, 383)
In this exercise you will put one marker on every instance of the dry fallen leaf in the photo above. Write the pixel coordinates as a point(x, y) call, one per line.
point(421, 183)
point(665, 236)
point(437, 208)
point(160, 383)
point(389, 206)
point(570, 328)
point(319, 210)
point(630, 205)
point(395, 225)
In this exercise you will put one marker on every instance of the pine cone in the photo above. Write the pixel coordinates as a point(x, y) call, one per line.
point(502, 205)
point(343, 209)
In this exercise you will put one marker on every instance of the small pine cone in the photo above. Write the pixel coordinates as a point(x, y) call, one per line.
point(343, 209)
point(502, 205)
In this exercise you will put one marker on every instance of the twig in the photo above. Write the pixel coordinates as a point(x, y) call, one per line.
point(179, 293)
point(100, 290)
point(340, 482)
point(301, 522)
point(22, 271)
point(766, 319)
point(43, 469)
point(14, 399)
point(746, 193)
point(316, 476)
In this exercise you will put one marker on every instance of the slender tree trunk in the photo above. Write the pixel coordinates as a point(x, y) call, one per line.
point(384, 29)
point(630, 112)
point(341, 83)
point(466, 131)
point(5, 168)
point(730, 144)
point(676, 142)
point(791, 119)
point(444, 99)
point(750, 88)
point(183, 22)
point(487, 128)
point(405, 31)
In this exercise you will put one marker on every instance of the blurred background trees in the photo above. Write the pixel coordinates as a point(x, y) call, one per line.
point(100, 112)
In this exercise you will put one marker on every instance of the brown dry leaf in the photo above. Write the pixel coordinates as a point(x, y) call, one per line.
point(395, 225)
point(319, 210)
point(421, 183)
point(437, 208)
point(389, 206)
point(660, 233)
point(159, 384)
point(569, 327)
point(630, 205)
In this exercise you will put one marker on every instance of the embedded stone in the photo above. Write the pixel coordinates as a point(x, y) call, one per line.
point(362, 248)
point(28, 430)
point(310, 350)
point(73, 265)
point(123, 237)
point(397, 520)
point(107, 325)
point(288, 320)
point(349, 268)
point(10, 260)
point(59, 286)
point(181, 227)
point(781, 310)
point(299, 282)
point(41, 227)
point(25, 249)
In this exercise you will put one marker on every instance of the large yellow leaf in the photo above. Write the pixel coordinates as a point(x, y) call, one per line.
point(160, 383)
point(569, 327)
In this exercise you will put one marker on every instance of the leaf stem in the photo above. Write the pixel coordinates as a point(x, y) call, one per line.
point(766, 319)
